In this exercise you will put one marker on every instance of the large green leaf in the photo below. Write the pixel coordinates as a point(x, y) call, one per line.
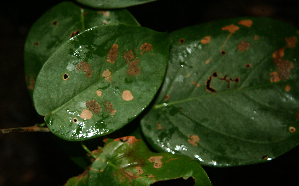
point(106, 4)
point(58, 25)
point(100, 80)
point(128, 161)
point(231, 92)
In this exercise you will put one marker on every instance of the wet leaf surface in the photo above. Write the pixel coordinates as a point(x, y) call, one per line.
point(59, 24)
point(128, 161)
point(99, 97)
point(230, 95)
point(107, 4)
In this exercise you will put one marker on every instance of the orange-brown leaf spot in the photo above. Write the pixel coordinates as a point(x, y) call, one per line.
point(288, 88)
point(112, 54)
point(74, 33)
point(256, 37)
point(36, 43)
point(274, 77)
point(134, 69)
point(206, 40)
point(292, 129)
point(182, 41)
point(86, 114)
point(278, 54)
point(231, 28)
point(195, 83)
point(93, 106)
point(85, 67)
point(139, 170)
point(31, 84)
point(99, 93)
point(247, 23)
point(283, 66)
point(106, 73)
point(55, 23)
point(127, 95)
point(129, 56)
point(243, 46)
point(193, 140)
point(146, 47)
point(248, 65)
point(159, 127)
point(109, 108)
point(166, 97)
point(157, 161)
point(127, 139)
point(208, 61)
point(291, 41)
point(108, 79)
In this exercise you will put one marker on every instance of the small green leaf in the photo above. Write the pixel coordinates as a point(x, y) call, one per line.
point(231, 92)
point(104, 4)
point(58, 25)
point(128, 161)
point(80, 180)
point(100, 80)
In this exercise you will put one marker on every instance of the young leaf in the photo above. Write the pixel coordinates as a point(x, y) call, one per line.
point(107, 4)
point(59, 24)
point(100, 80)
point(231, 92)
point(128, 161)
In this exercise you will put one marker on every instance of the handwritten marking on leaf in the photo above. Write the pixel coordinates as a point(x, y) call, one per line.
point(127, 95)
point(288, 88)
point(134, 69)
point(247, 23)
point(99, 93)
point(159, 127)
point(206, 40)
point(193, 140)
point(86, 114)
point(93, 106)
point(291, 41)
point(283, 65)
point(112, 54)
point(292, 129)
point(146, 47)
point(109, 108)
point(157, 161)
point(85, 67)
point(243, 46)
point(129, 56)
point(231, 28)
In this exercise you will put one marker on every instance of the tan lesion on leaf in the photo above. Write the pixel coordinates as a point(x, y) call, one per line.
point(193, 140)
point(112, 54)
point(93, 106)
point(231, 28)
point(127, 139)
point(139, 170)
point(99, 93)
point(246, 23)
point(256, 37)
point(107, 75)
point(291, 41)
point(292, 129)
point(206, 40)
point(146, 47)
point(243, 46)
point(156, 160)
point(166, 97)
point(86, 114)
point(283, 66)
point(109, 108)
point(85, 67)
point(196, 84)
point(287, 88)
point(127, 95)
point(208, 61)
point(129, 56)
point(159, 127)
point(134, 69)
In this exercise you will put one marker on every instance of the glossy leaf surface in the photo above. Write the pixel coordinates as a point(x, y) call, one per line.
point(106, 4)
point(58, 25)
point(100, 80)
point(230, 96)
point(127, 161)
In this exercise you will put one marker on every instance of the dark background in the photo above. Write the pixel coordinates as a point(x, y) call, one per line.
point(35, 159)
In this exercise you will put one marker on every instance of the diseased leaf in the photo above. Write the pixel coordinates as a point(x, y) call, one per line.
point(59, 24)
point(80, 180)
point(231, 92)
point(89, 88)
point(128, 161)
point(107, 4)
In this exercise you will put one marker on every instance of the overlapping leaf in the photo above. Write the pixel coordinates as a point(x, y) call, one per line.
point(100, 80)
point(231, 92)
point(127, 161)
point(58, 25)
point(107, 4)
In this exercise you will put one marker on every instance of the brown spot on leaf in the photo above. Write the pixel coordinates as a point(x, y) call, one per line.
point(36, 43)
point(86, 114)
point(85, 67)
point(248, 65)
point(243, 46)
point(75, 120)
point(193, 140)
point(291, 41)
point(99, 93)
point(247, 23)
point(129, 56)
point(231, 28)
point(159, 127)
point(256, 37)
point(32, 83)
point(188, 75)
point(166, 97)
point(139, 170)
point(265, 157)
point(93, 106)
point(127, 139)
point(108, 79)
point(157, 161)
point(109, 108)
point(223, 52)
point(283, 66)
point(208, 61)
point(195, 83)
point(74, 33)
point(209, 81)
point(146, 47)
point(65, 76)
point(55, 23)
point(292, 129)
point(106, 73)
point(182, 40)
point(127, 95)
point(134, 69)
point(228, 80)
point(112, 54)
point(206, 40)
point(274, 77)
point(288, 88)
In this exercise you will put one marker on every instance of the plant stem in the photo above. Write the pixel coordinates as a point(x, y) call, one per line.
point(34, 128)
point(88, 151)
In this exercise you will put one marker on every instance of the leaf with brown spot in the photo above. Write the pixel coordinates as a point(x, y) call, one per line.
point(112, 54)
point(243, 46)
point(134, 69)
point(291, 41)
point(127, 95)
point(206, 40)
point(231, 28)
point(246, 23)
point(129, 56)
point(85, 67)
point(146, 47)
point(93, 106)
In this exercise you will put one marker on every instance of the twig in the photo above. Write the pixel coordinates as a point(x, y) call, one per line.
point(34, 128)
point(88, 151)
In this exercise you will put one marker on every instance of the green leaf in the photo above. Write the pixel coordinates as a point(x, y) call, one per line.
point(106, 4)
point(58, 25)
point(100, 80)
point(231, 92)
point(128, 161)
point(80, 180)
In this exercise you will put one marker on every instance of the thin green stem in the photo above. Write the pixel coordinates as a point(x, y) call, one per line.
point(82, 19)
point(88, 151)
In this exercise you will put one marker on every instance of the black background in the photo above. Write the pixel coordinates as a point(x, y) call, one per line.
point(35, 159)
